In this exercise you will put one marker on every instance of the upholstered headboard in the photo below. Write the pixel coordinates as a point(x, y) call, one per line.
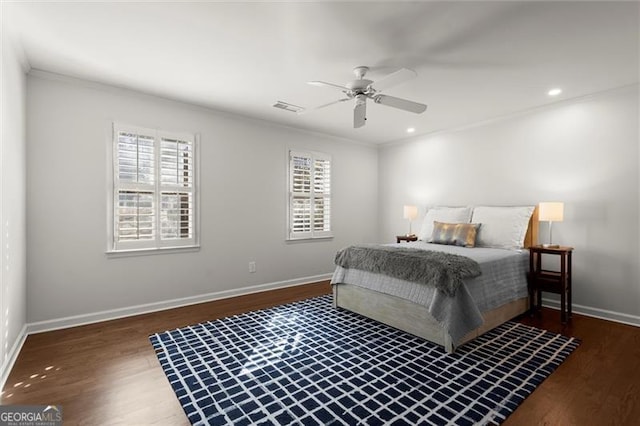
point(531, 237)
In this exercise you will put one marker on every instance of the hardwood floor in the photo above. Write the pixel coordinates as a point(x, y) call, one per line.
point(108, 373)
point(599, 384)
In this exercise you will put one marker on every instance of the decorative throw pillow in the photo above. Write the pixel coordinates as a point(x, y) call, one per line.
point(443, 214)
point(456, 234)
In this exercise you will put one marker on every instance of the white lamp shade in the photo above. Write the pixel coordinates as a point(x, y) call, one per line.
point(551, 211)
point(410, 212)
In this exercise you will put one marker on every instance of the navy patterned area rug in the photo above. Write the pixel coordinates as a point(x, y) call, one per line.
point(307, 363)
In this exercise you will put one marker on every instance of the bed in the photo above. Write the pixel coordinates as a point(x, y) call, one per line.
point(499, 294)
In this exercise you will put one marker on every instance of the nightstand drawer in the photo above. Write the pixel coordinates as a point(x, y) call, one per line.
point(550, 286)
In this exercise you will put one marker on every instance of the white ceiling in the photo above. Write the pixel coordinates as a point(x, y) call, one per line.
point(475, 60)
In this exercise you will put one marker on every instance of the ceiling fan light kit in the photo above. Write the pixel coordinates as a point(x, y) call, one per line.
point(362, 89)
point(360, 111)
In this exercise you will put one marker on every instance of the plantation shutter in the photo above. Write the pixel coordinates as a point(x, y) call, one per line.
point(322, 197)
point(309, 195)
point(154, 189)
point(176, 183)
point(135, 222)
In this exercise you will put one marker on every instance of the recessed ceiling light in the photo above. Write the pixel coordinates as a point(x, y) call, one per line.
point(411, 130)
point(554, 92)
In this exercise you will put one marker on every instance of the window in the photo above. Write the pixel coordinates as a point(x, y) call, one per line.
point(154, 189)
point(309, 212)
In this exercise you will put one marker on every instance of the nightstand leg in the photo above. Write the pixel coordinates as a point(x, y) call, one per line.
point(563, 307)
point(563, 289)
point(569, 273)
point(532, 302)
point(531, 293)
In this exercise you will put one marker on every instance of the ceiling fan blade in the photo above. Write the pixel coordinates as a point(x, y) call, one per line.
point(399, 103)
point(359, 114)
point(325, 84)
point(403, 74)
point(322, 106)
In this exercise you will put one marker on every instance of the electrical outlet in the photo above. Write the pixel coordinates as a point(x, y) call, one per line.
point(252, 267)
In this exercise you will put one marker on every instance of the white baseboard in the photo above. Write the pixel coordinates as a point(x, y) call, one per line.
point(12, 356)
point(596, 312)
point(76, 320)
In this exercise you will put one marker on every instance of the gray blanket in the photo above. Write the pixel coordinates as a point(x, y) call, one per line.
point(444, 271)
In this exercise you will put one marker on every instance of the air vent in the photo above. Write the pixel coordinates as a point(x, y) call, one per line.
point(288, 107)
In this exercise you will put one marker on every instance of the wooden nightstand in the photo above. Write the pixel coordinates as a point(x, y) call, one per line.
point(558, 282)
point(406, 238)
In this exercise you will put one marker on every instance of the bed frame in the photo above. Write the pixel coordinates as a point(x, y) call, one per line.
point(414, 318)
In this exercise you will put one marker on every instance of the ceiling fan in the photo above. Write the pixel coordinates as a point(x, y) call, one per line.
point(362, 89)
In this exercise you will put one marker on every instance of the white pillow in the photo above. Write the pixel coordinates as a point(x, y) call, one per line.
point(502, 227)
point(443, 214)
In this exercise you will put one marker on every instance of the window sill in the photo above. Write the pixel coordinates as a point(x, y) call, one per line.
point(151, 251)
point(308, 239)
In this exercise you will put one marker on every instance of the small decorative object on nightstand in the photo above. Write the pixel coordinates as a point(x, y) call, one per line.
point(406, 238)
point(558, 282)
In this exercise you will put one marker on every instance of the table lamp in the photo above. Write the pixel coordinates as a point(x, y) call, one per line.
point(551, 212)
point(411, 213)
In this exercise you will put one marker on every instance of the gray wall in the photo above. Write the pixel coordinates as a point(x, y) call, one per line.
point(13, 304)
point(582, 152)
point(243, 202)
